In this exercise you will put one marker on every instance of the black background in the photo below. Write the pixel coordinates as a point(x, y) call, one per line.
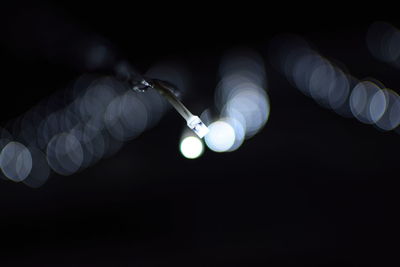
point(311, 188)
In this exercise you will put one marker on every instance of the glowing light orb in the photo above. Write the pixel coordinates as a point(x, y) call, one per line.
point(221, 136)
point(191, 147)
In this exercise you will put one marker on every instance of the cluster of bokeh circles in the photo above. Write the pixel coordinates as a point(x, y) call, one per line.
point(331, 86)
point(241, 106)
point(76, 127)
point(94, 116)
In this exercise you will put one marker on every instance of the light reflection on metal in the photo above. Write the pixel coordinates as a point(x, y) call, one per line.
point(168, 91)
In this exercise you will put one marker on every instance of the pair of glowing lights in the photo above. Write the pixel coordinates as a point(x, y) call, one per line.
point(220, 138)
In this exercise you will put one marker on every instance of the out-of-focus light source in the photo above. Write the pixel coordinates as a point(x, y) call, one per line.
point(65, 154)
point(90, 120)
point(390, 114)
point(191, 147)
point(314, 75)
point(16, 161)
point(221, 137)
point(383, 41)
point(367, 102)
point(40, 169)
point(333, 88)
point(241, 100)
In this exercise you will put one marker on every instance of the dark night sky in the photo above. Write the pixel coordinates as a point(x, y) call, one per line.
point(311, 188)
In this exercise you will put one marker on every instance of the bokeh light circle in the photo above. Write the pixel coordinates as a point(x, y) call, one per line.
point(221, 136)
point(191, 147)
point(16, 161)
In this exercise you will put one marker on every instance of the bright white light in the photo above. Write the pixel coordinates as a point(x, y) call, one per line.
point(191, 147)
point(221, 136)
